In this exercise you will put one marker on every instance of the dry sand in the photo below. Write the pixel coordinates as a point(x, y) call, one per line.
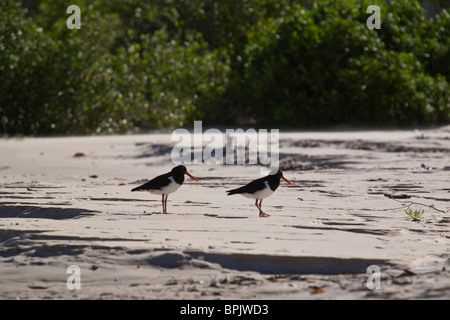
point(67, 201)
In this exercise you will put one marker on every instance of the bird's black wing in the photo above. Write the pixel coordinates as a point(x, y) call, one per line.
point(250, 187)
point(155, 184)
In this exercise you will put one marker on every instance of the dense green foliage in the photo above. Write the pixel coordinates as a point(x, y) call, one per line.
point(165, 63)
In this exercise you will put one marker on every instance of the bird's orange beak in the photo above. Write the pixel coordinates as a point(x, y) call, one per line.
point(191, 176)
point(282, 177)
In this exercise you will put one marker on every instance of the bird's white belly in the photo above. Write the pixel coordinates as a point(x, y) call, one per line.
point(171, 187)
point(262, 194)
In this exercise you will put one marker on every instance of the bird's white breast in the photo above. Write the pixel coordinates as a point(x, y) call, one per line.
point(171, 187)
point(261, 194)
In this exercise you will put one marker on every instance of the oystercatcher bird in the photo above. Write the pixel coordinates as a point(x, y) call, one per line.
point(260, 189)
point(166, 184)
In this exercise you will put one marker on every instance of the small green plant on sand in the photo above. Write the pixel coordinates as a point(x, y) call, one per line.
point(415, 215)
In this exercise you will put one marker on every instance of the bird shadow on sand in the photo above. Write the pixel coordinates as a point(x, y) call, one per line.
point(223, 217)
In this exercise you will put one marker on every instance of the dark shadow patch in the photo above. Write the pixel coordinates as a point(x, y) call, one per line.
point(8, 234)
point(77, 238)
point(196, 202)
point(397, 196)
point(334, 223)
point(119, 199)
point(15, 242)
point(43, 213)
point(168, 260)
point(225, 217)
point(359, 145)
point(27, 197)
point(268, 264)
point(330, 193)
point(29, 187)
point(47, 250)
point(149, 150)
point(377, 232)
point(437, 199)
point(308, 162)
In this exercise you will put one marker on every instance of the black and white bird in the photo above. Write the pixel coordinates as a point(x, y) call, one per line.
point(166, 184)
point(260, 189)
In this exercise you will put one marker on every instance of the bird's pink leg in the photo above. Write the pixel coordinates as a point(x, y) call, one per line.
point(162, 202)
point(165, 204)
point(261, 213)
point(256, 204)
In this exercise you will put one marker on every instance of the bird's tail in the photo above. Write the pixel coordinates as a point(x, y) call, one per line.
point(234, 191)
point(137, 189)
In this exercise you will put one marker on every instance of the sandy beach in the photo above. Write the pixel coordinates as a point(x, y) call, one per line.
point(67, 201)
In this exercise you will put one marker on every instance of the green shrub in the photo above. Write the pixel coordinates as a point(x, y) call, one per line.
point(179, 84)
point(325, 67)
point(166, 63)
point(58, 82)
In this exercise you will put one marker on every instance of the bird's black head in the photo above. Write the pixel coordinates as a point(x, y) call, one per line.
point(179, 169)
point(279, 175)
